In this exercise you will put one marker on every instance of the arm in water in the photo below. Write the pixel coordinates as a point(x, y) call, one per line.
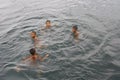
point(43, 58)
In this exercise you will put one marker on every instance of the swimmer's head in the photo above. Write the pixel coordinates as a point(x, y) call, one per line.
point(33, 34)
point(74, 28)
point(32, 51)
point(48, 24)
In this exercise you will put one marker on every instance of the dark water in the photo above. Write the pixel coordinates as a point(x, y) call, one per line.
point(96, 57)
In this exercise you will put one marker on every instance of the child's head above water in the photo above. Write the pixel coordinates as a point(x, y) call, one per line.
point(32, 51)
point(74, 28)
point(48, 24)
point(33, 34)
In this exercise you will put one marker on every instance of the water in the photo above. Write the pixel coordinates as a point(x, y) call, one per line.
point(96, 57)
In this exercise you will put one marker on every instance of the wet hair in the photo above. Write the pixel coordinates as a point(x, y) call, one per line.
point(48, 21)
point(32, 51)
point(75, 27)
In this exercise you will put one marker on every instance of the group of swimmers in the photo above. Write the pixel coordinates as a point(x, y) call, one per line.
point(33, 55)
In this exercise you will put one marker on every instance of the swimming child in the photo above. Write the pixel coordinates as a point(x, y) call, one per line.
point(34, 56)
point(75, 32)
point(35, 39)
point(48, 24)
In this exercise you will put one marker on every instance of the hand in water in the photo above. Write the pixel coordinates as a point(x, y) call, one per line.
point(17, 69)
point(47, 55)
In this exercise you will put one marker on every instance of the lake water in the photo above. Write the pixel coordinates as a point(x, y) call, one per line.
point(95, 57)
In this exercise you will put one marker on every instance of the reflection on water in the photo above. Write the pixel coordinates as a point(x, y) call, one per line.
point(95, 57)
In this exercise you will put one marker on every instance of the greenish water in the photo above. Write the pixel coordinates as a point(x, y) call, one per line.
point(95, 57)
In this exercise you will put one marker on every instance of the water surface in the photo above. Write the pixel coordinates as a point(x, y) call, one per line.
point(95, 57)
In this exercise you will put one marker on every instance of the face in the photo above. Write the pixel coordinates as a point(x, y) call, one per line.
point(73, 30)
point(48, 24)
point(32, 35)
